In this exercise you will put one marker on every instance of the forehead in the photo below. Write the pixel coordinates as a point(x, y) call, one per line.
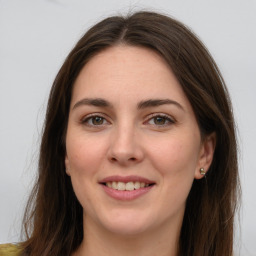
point(123, 72)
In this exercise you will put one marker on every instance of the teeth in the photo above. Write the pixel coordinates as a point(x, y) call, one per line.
point(114, 185)
point(137, 185)
point(118, 185)
point(129, 186)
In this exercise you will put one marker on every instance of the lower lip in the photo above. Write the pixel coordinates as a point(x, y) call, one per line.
point(126, 195)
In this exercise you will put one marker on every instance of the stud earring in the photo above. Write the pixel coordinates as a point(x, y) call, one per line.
point(202, 171)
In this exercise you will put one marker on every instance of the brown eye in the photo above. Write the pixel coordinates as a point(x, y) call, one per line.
point(94, 121)
point(97, 120)
point(159, 120)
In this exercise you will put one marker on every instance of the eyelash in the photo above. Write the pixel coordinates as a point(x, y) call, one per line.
point(165, 117)
point(90, 117)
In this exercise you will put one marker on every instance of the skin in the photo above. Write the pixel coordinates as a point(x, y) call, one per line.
point(126, 140)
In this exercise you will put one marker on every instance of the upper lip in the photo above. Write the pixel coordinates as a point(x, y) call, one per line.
point(126, 179)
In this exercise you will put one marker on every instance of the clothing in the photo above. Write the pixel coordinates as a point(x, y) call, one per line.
point(10, 250)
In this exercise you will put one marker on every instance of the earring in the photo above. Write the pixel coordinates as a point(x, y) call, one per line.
point(202, 171)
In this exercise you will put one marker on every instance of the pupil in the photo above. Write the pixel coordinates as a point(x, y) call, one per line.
point(159, 120)
point(97, 120)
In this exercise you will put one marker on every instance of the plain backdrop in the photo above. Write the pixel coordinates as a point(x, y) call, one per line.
point(36, 36)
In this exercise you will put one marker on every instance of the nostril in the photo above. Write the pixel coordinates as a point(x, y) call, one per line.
point(113, 159)
point(132, 159)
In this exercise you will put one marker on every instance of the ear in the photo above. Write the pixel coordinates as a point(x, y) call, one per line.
point(67, 165)
point(206, 155)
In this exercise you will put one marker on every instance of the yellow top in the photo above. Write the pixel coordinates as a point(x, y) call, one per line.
point(10, 250)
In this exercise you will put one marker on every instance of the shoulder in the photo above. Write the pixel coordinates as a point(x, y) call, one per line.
point(10, 250)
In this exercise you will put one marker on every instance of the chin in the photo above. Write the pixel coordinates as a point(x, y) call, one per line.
point(124, 229)
point(127, 224)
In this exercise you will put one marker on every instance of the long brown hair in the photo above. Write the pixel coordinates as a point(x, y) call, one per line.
point(53, 218)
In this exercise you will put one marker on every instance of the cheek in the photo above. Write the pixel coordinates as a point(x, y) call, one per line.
point(176, 157)
point(85, 153)
point(85, 158)
point(175, 162)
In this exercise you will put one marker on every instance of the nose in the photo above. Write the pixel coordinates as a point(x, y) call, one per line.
point(125, 146)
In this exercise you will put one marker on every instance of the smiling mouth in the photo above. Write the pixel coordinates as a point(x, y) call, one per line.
point(127, 186)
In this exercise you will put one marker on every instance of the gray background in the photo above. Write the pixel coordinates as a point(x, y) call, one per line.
point(35, 37)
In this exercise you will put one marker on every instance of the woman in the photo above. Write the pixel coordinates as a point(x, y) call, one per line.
point(138, 154)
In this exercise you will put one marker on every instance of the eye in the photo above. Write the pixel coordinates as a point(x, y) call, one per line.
point(94, 120)
point(160, 120)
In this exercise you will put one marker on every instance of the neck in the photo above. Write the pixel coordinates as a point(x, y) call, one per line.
point(162, 241)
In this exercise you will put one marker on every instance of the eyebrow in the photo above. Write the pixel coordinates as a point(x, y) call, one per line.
point(99, 102)
point(158, 102)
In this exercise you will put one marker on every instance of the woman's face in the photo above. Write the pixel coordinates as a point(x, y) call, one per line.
point(133, 146)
